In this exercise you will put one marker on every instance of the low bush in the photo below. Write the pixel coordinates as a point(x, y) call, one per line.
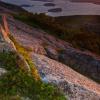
point(18, 85)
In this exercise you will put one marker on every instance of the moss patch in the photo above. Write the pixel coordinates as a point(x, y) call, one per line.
point(21, 50)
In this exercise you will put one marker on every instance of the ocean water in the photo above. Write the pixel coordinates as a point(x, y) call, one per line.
point(59, 7)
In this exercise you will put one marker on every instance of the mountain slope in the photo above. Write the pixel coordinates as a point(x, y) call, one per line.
point(19, 78)
point(36, 41)
point(39, 54)
point(74, 85)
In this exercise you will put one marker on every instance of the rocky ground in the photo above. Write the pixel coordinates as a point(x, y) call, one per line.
point(2, 71)
point(76, 86)
point(53, 59)
point(43, 48)
point(38, 41)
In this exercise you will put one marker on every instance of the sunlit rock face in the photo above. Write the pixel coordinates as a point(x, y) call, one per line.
point(75, 86)
point(59, 7)
point(5, 43)
point(3, 28)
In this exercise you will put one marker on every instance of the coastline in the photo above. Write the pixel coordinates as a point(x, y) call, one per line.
point(61, 8)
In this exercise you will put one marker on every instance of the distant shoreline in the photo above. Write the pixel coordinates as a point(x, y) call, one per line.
point(86, 1)
point(57, 11)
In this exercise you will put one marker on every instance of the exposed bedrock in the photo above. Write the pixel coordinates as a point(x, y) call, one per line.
point(38, 41)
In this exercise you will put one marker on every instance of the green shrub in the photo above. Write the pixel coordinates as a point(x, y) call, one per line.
point(16, 84)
